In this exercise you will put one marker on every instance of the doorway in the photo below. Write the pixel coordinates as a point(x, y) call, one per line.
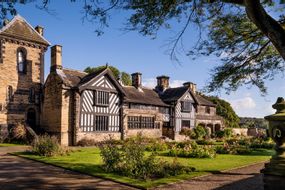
point(31, 118)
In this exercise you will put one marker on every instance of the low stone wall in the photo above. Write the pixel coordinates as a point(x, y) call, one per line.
point(240, 131)
point(98, 136)
point(151, 133)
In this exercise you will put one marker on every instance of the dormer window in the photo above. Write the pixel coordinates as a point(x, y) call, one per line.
point(101, 98)
point(22, 63)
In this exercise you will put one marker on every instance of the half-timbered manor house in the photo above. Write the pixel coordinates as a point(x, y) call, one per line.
point(74, 105)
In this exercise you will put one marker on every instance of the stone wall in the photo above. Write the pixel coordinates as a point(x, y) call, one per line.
point(51, 109)
point(201, 110)
point(154, 133)
point(97, 136)
point(15, 111)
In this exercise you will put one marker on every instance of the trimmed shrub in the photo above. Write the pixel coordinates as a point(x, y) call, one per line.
point(260, 143)
point(187, 132)
point(205, 142)
point(47, 146)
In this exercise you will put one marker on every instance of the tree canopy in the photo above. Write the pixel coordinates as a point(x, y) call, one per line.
point(125, 77)
point(225, 110)
point(247, 35)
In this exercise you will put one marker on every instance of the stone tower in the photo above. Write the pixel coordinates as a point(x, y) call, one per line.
point(22, 49)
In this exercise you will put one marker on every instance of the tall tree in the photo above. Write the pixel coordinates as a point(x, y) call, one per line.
point(247, 35)
point(225, 110)
point(125, 77)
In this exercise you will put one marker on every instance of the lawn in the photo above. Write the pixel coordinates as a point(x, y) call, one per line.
point(10, 144)
point(88, 160)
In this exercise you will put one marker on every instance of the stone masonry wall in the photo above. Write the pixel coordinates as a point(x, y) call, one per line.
point(51, 117)
point(154, 133)
point(15, 111)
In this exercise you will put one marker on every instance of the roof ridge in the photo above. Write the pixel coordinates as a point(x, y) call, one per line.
point(75, 70)
point(19, 17)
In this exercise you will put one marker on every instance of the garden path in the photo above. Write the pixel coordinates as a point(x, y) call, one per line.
point(19, 173)
point(245, 178)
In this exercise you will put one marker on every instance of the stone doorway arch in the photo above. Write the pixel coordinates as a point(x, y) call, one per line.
point(31, 119)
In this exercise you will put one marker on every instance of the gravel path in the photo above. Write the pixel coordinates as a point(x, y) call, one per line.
point(246, 178)
point(19, 173)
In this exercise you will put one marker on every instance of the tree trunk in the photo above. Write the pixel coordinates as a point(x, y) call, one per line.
point(268, 26)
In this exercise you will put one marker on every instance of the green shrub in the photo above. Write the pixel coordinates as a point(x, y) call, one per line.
point(158, 145)
point(205, 142)
point(235, 149)
point(111, 155)
point(220, 134)
point(4, 133)
point(18, 132)
point(199, 132)
point(261, 143)
point(193, 151)
point(187, 132)
point(228, 132)
point(129, 160)
point(47, 146)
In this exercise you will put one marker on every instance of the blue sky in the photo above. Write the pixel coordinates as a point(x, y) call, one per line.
point(132, 52)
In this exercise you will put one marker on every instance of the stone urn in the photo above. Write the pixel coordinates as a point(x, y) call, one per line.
point(274, 171)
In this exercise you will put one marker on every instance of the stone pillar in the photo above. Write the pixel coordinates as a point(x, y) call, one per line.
point(274, 171)
point(40, 30)
point(56, 58)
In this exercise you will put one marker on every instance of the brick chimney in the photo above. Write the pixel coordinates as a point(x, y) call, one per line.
point(162, 83)
point(56, 56)
point(191, 86)
point(40, 30)
point(137, 80)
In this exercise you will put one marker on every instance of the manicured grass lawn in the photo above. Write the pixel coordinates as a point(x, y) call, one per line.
point(88, 160)
point(9, 144)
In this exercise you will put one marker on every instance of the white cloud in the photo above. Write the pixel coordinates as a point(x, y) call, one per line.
point(176, 83)
point(243, 103)
point(151, 83)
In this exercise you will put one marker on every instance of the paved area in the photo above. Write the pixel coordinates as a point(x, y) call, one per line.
point(246, 178)
point(18, 173)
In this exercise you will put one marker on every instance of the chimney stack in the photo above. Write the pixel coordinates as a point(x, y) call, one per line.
point(56, 56)
point(40, 30)
point(162, 83)
point(137, 80)
point(191, 86)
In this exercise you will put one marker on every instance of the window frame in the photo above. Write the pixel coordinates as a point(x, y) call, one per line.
point(101, 125)
point(183, 106)
point(10, 94)
point(183, 121)
point(23, 62)
point(142, 122)
point(96, 99)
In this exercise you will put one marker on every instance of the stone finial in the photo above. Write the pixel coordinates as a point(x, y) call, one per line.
point(279, 105)
point(40, 30)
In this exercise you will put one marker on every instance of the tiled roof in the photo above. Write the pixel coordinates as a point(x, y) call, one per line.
point(203, 101)
point(19, 28)
point(72, 77)
point(143, 96)
point(173, 94)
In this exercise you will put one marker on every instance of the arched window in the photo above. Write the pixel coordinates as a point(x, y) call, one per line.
point(9, 93)
point(22, 64)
